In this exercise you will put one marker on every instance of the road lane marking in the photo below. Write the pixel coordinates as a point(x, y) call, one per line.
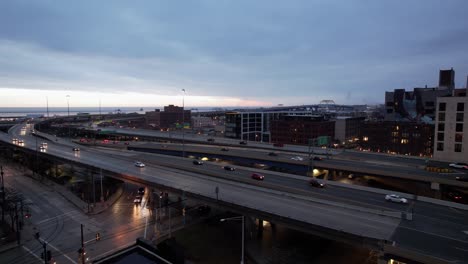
point(113, 250)
point(58, 250)
point(434, 234)
point(52, 218)
point(462, 249)
point(32, 253)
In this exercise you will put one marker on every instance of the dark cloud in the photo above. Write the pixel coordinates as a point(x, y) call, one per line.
point(310, 49)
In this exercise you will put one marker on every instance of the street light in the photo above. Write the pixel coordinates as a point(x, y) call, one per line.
point(68, 107)
point(183, 122)
point(243, 223)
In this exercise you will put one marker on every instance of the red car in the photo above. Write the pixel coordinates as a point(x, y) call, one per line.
point(257, 176)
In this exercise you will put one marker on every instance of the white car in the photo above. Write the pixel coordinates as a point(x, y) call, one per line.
point(139, 164)
point(297, 158)
point(459, 165)
point(395, 198)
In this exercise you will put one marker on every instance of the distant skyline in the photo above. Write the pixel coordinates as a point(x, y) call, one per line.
point(225, 53)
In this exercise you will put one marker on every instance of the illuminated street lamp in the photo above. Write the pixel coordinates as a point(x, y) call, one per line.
point(242, 218)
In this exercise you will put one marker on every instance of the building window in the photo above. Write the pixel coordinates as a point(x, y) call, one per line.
point(441, 127)
point(458, 147)
point(406, 134)
point(389, 104)
point(440, 136)
point(365, 139)
point(395, 134)
point(404, 141)
point(429, 111)
point(458, 137)
point(442, 107)
point(461, 107)
point(430, 103)
point(389, 111)
point(459, 127)
point(460, 117)
point(441, 116)
point(440, 146)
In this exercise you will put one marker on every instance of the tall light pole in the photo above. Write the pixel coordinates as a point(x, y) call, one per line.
point(68, 107)
point(243, 227)
point(183, 123)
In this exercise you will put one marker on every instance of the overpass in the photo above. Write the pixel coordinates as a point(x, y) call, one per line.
point(356, 216)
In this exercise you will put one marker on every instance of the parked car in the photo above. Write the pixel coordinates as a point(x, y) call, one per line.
point(272, 154)
point(459, 165)
point(258, 176)
point(139, 164)
point(229, 168)
point(224, 149)
point(198, 162)
point(243, 143)
point(395, 198)
point(317, 158)
point(316, 183)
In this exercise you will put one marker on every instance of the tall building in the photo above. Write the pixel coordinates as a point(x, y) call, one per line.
point(405, 138)
point(299, 130)
point(171, 117)
point(451, 138)
point(418, 105)
point(347, 128)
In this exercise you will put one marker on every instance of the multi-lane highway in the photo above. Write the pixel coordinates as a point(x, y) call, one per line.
point(352, 211)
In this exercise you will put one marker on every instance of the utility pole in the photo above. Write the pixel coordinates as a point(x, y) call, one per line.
point(82, 246)
point(183, 124)
point(3, 195)
point(102, 195)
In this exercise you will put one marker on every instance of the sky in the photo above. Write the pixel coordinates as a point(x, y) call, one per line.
point(225, 53)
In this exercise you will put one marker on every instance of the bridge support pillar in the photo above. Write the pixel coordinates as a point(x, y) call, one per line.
point(435, 186)
point(260, 228)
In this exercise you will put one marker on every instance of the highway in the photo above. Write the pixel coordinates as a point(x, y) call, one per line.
point(332, 207)
point(410, 168)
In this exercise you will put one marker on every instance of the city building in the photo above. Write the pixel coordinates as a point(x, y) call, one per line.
point(405, 138)
point(451, 141)
point(199, 122)
point(418, 105)
point(170, 118)
point(255, 126)
point(347, 128)
point(300, 129)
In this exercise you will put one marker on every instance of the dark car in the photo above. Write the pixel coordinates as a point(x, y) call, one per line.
point(210, 140)
point(317, 158)
point(198, 162)
point(258, 177)
point(462, 178)
point(141, 190)
point(316, 183)
point(272, 154)
point(225, 149)
point(243, 143)
point(203, 210)
point(229, 168)
point(455, 196)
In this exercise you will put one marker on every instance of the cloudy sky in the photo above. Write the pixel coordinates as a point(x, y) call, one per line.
point(225, 53)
